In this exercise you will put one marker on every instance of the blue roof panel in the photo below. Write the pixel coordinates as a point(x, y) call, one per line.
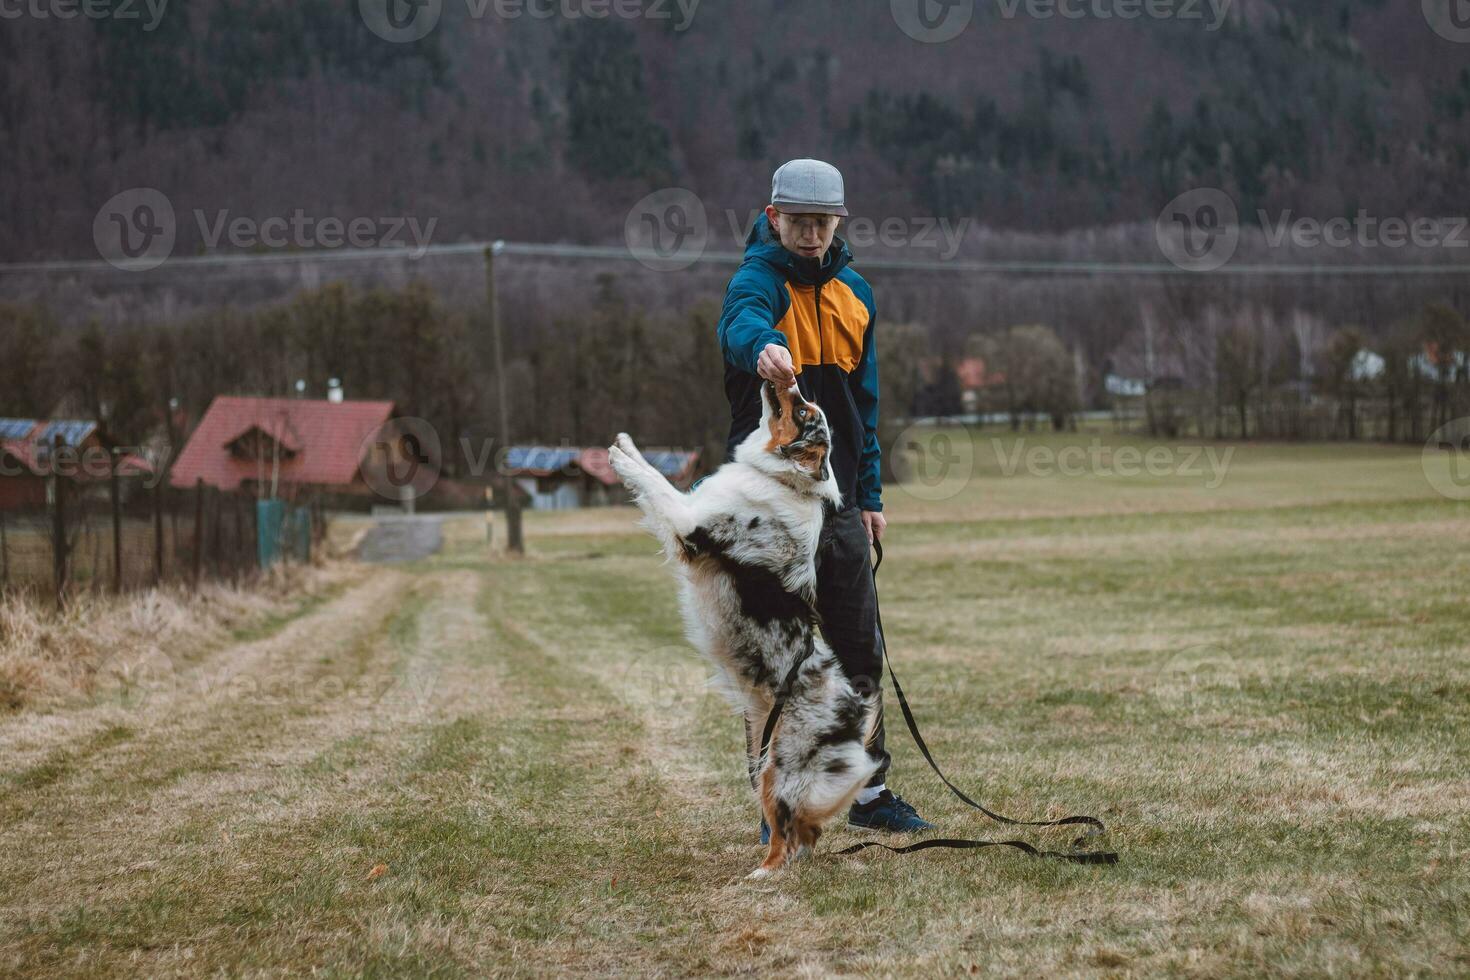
point(550, 459)
point(16, 428)
point(540, 457)
point(72, 432)
point(669, 462)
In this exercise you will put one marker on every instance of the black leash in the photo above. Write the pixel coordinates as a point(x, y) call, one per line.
point(1077, 856)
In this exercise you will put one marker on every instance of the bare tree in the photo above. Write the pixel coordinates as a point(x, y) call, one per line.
point(1339, 375)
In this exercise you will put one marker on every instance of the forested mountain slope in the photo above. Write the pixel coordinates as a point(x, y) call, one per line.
point(262, 108)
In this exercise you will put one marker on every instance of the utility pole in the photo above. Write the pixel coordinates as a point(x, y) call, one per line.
point(513, 542)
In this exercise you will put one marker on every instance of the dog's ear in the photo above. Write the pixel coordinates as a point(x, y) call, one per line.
point(772, 398)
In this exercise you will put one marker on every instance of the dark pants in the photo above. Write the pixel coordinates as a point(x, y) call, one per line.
point(848, 605)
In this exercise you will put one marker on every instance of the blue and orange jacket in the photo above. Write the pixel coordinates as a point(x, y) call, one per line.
point(822, 312)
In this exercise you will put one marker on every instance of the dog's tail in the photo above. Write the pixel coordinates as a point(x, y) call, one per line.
point(874, 708)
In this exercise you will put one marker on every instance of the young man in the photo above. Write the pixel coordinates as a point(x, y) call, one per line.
point(796, 313)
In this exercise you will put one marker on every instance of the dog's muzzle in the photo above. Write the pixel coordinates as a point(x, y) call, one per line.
point(813, 435)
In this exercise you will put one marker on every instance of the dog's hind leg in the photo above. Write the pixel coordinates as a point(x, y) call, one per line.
point(805, 832)
point(833, 776)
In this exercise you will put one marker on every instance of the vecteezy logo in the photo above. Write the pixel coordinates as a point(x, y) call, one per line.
point(1198, 230)
point(400, 21)
point(1450, 19)
point(1195, 678)
point(667, 230)
point(135, 229)
point(932, 21)
point(401, 459)
point(131, 677)
point(936, 469)
point(663, 677)
point(1446, 459)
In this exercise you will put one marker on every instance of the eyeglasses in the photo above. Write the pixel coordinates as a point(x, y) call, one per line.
point(809, 222)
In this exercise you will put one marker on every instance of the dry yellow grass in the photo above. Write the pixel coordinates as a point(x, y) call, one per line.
point(48, 656)
point(470, 765)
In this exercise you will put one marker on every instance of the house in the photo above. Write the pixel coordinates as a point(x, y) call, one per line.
point(31, 450)
point(556, 478)
point(1366, 365)
point(975, 379)
point(974, 375)
point(1124, 387)
point(285, 447)
point(1434, 364)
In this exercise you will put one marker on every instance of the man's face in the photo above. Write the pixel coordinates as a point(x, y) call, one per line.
point(807, 235)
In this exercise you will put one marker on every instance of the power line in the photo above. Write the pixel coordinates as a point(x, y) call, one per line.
point(654, 259)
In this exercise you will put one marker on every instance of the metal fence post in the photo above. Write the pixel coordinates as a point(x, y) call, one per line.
point(198, 530)
point(216, 559)
point(115, 492)
point(58, 528)
point(310, 541)
point(158, 533)
point(237, 564)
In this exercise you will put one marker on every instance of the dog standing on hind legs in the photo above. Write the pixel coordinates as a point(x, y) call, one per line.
point(744, 546)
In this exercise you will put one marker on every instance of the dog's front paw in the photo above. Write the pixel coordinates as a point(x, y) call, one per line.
point(622, 464)
point(625, 443)
point(759, 874)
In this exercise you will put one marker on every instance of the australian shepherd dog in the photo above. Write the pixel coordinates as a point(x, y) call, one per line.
point(744, 546)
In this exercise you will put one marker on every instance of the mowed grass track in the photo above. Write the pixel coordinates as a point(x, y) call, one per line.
point(471, 766)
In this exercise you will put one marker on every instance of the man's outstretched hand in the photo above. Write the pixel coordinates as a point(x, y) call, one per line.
point(774, 365)
point(874, 523)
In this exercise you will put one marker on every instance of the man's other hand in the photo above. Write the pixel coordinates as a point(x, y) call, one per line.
point(874, 522)
point(774, 365)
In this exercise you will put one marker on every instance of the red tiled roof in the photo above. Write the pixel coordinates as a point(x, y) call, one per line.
point(282, 434)
point(329, 437)
point(22, 451)
point(972, 373)
point(676, 464)
point(594, 463)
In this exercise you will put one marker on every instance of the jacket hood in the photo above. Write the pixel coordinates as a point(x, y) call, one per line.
point(761, 244)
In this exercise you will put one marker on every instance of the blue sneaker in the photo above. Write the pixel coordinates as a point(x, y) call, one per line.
point(888, 813)
point(765, 833)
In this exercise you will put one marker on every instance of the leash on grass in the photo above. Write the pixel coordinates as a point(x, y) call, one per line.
point(1077, 856)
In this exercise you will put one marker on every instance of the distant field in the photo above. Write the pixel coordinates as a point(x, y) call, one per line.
point(1258, 674)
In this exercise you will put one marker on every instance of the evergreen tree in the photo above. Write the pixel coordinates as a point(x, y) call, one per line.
point(610, 132)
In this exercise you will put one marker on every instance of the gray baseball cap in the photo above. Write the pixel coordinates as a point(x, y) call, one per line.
point(808, 187)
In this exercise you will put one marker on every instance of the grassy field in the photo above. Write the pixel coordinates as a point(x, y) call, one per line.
point(473, 765)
